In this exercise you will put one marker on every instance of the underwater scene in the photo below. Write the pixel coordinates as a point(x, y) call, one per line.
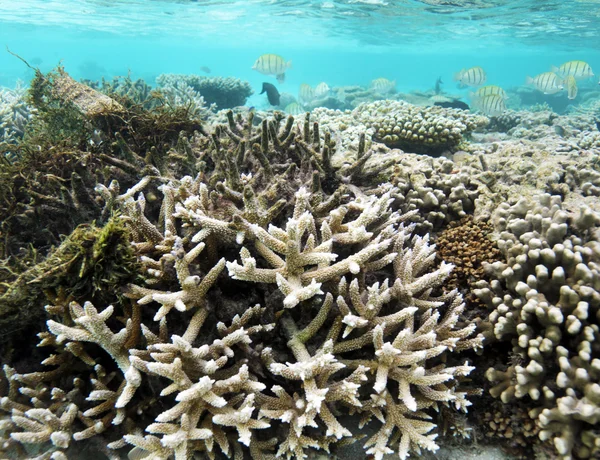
point(299, 229)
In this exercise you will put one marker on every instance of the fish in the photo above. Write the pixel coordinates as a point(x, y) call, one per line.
point(294, 109)
point(475, 76)
point(272, 93)
point(453, 105)
point(272, 64)
point(488, 90)
point(306, 93)
point(322, 89)
point(439, 98)
point(205, 69)
point(571, 86)
point(383, 85)
point(438, 85)
point(578, 69)
point(491, 105)
point(547, 82)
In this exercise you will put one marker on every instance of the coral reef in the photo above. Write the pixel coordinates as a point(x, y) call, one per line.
point(276, 291)
point(224, 92)
point(546, 303)
point(418, 129)
point(255, 285)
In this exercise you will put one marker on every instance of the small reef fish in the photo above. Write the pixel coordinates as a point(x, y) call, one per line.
point(205, 69)
point(322, 89)
point(571, 85)
point(294, 109)
point(547, 83)
point(272, 64)
point(489, 90)
point(475, 76)
point(306, 93)
point(578, 69)
point(453, 105)
point(272, 93)
point(491, 105)
point(438, 85)
point(383, 85)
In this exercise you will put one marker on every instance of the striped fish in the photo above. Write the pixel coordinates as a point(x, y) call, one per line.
point(489, 90)
point(475, 76)
point(491, 105)
point(294, 109)
point(383, 85)
point(272, 64)
point(306, 93)
point(322, 89)
point(578, 69)
point(571, 86)
point(547, 82)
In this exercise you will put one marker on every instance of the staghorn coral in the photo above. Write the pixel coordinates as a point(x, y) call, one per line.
point(545, 300)
point(137, 91)
point(213, 356)
point(223, 92)
point(418, 129)
point(15, 113)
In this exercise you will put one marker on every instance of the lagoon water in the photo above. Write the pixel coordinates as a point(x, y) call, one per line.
point(348, 42)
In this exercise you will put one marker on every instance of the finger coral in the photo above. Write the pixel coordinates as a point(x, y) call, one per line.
point(545, 301)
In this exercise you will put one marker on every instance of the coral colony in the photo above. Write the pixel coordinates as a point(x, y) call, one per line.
point(243, 284)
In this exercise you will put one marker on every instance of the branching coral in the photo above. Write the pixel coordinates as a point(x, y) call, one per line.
point(334, 308)
point(224, 92)
point(15, 113)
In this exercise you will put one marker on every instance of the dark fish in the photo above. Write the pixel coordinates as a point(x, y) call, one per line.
point(36, 60)
point(453, 105)
point(438, 85)
point(272, 93)
point(205, 69)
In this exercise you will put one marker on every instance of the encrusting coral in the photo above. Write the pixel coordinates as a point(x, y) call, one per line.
point(276, 292)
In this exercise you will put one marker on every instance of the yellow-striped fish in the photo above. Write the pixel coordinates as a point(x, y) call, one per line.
point(492, 104)
point(547, 82)
point(578, 69)
point(272, 64)
point(306, 93)
point(383, 85)
point(322, 89)
point(571, 86)
point(475, 76)
point(489, 90)
point(294, 109)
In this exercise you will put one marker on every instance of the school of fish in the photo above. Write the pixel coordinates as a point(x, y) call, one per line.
point(488, 99)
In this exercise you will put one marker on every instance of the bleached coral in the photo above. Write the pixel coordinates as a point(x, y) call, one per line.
point(14, 113)
point(333, 308)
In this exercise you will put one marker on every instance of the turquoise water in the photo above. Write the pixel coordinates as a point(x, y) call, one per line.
point(339, 42)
